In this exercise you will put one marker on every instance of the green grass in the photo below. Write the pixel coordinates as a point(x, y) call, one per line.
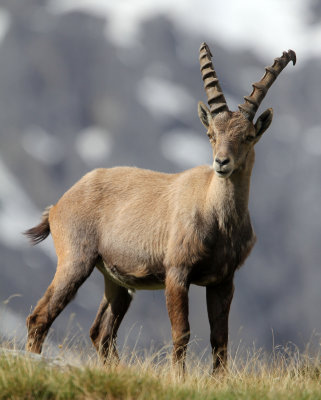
point(257, 376)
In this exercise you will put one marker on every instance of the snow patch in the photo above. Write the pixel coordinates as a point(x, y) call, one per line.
point(16, 210)
point(235, 24)
point(42, 145)
point(163, 97)
point(185, 148)
point(5, 21)
point(17, 213)
point(94, 145)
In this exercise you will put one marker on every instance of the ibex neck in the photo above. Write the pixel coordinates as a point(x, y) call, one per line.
point(229, 197)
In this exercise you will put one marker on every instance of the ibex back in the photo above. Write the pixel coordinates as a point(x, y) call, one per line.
point(150, 230)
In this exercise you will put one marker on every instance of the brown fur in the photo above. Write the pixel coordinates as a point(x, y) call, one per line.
point(150, 230)
point(143, 230)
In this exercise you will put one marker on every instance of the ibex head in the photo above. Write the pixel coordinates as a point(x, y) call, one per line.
point(233, 134)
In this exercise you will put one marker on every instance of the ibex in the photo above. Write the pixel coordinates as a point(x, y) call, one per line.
point(151, 230)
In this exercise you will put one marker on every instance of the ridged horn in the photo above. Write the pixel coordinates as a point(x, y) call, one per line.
point(215, 96)
point(253, 101)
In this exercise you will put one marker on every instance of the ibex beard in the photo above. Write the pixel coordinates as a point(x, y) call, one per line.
point(151, 230)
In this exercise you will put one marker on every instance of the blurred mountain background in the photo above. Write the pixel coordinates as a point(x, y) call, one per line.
point(98, 84)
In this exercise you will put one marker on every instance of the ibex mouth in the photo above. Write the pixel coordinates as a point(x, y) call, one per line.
point(223, 173)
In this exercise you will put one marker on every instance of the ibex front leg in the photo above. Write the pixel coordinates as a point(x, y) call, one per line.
point(177, 305)
point(219, 300)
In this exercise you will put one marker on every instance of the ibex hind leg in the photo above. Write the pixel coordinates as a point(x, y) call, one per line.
point(69, 276)
point(112, 309)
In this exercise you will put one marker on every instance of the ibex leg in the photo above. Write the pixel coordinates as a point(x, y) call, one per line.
point(112, 309)
point(68, 278)
point(219, 300)
point(177, 305)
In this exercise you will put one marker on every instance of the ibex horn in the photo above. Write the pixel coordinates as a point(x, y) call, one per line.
point(215, 96)
point(253, 101)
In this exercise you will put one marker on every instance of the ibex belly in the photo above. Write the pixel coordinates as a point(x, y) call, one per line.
point(132, 260)
point(138, 278)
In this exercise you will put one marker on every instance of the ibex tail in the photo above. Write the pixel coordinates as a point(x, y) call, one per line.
point(39, 233)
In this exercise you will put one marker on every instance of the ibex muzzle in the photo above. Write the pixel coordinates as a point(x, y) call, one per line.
point(150, 230)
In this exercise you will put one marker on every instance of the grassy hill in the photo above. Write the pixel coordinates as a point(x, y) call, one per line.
point(280, 375)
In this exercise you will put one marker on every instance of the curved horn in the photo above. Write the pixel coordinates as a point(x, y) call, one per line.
point(215, 96)
point(253, 101)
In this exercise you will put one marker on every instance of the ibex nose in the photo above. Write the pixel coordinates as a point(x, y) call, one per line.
point(222, 161)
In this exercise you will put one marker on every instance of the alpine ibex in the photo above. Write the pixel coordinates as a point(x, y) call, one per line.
point(151, 230)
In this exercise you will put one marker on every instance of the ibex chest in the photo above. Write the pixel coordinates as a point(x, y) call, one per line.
point(225, 254)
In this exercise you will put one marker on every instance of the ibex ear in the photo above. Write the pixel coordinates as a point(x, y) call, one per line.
point(263, 122)
point(204, 114)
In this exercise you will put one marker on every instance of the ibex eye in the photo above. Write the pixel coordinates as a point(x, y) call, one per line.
point(211, 136)
point(249, 138)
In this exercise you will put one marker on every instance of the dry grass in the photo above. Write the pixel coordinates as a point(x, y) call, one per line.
point(284, 374)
